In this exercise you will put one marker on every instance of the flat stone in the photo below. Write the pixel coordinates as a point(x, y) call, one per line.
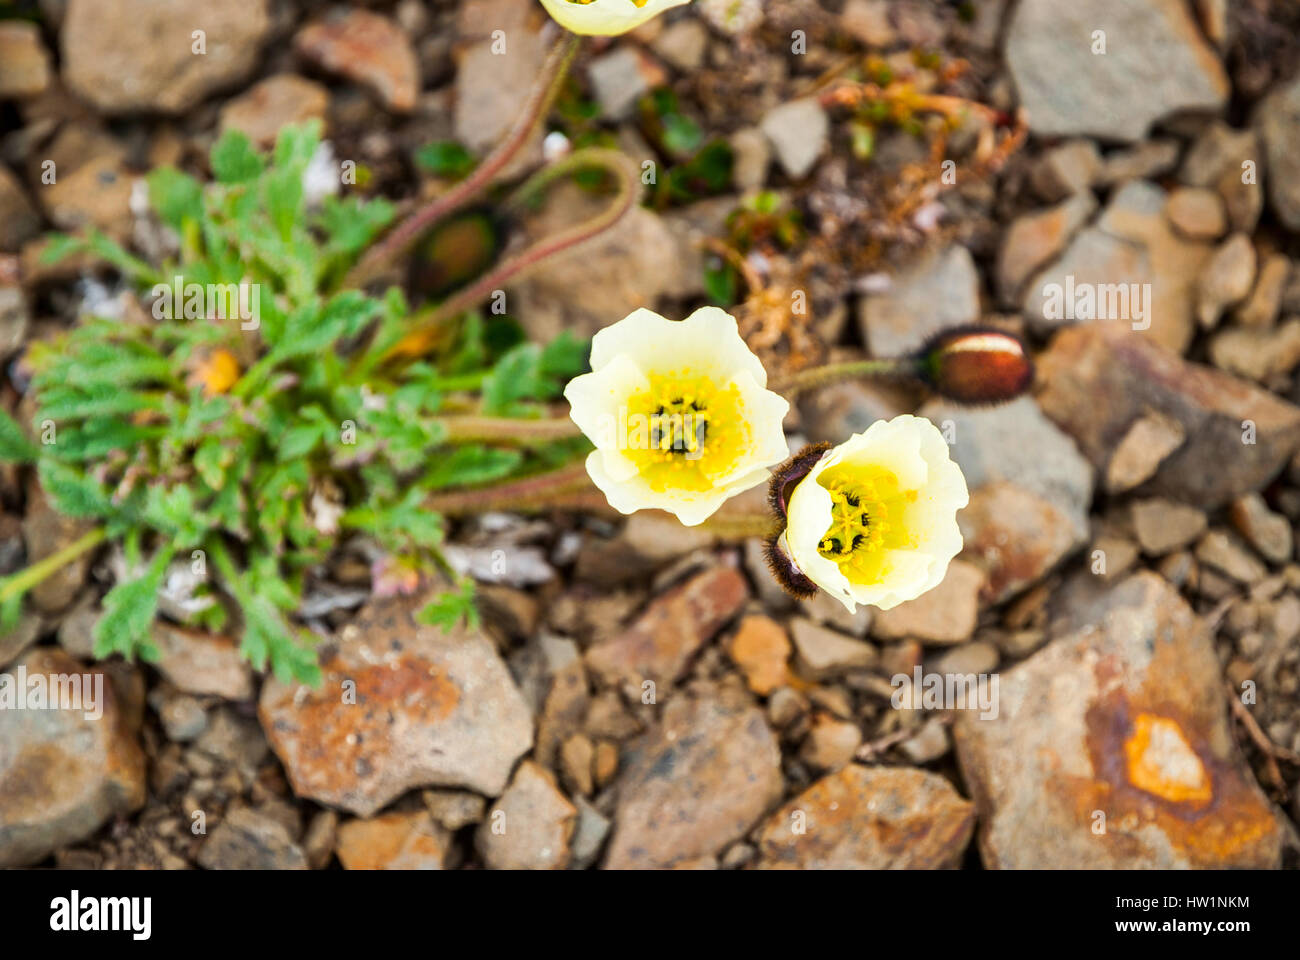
point(530, 826)
point(830, 744)
point(1258, 355)
point(1197, 213)
point(1096, 380)
point(867, 21)
point(696, 781)
point(206, 664)
point(249, 839)
point(869, 818)
point(24, 61)
point(1065, 170)
point(1144, 446)
point(1146, 160)
point(1276, 118)
point(1112, 748)
point(1155, 64)
point(938, 291)
point(630, 265)
point(128, 56)
point(1266, 531)
point(619, 79)
point(1260, 309)
point(1035, 239)
point(394, 841)
point(1226, 279)
point(272, 104)
point(683, 44)
point(762, 650)
point(64, 774)
point(1016, 536)
point(944, 615)
point(824, 653)
point(1163, 526)
point(491, 88)
point(431, 709)
point(20, 221)
point(661, 642)
point(799, 132)
point(1220, 159)
point(1223, 552)
point(367, 48)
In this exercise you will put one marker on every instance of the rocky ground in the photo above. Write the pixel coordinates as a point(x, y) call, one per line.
point(643, 695)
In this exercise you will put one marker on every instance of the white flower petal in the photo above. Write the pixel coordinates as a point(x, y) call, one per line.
point(596, 398)
point(913, 450)
point(606, 18)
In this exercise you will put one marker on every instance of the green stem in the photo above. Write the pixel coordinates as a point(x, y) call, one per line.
point(402, 237)
point(26, 579)
point(796, 383)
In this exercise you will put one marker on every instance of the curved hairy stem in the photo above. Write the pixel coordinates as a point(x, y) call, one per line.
point(427, 330)
point(794, 384)
point(542, 491)
point(507, 430)
point(400, 239)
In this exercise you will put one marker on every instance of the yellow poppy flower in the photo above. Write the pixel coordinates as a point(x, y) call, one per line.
point(679, 413)
point(875, 519)
point(606, 18)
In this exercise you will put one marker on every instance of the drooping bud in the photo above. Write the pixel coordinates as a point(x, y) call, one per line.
point(975, 365)
point(785, 477)
point(456, 252)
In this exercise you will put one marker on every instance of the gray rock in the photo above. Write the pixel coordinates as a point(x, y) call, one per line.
point(401, 705)
point(699, 779)
point(63, 774)
point(19, 219)
point(1063, 171)
point(938, 291)
point(799, 132)
point(683, 44)
point(491, 88)
point(1112, 748)
point(618, 81)
point(1220, 159)
point(1155, 64)
point(1277, 118)
point(869, 818)
point(1226, 279)
point(126, 56)
point(530, 826)
point(251, 840)
point(1035, 239)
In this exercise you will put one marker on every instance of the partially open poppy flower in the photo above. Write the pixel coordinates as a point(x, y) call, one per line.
point(875, 519)
point(679, 413)
point(606, 18)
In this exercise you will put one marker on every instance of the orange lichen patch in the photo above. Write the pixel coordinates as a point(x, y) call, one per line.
point(1155, 766)
point(408, 690)
point(1160, 761)
point(215, 373)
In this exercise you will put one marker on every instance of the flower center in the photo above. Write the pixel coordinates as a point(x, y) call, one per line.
point(685, 431)
point(636, 3)
point(868, 513)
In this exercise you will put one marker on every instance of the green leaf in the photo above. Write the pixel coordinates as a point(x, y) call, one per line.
point(233, 158)
point(446, 158)
point(14, 445)
point(449, 609)
point(129, 610)
point(177, 197)
point(72, 492)
point(471, 465)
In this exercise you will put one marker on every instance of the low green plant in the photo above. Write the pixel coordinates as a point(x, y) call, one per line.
point(252, 446)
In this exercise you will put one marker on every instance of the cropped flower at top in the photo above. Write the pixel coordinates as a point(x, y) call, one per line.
point(875, 519)
point(679, 413)
point(606, 18)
